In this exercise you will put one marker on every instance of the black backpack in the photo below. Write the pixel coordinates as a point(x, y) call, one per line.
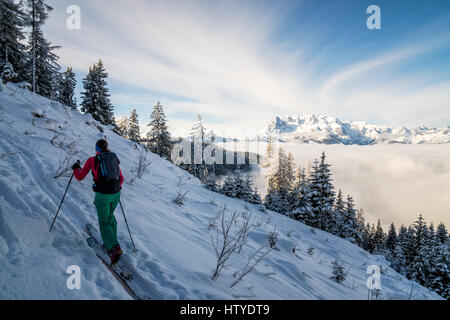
point(108, 173)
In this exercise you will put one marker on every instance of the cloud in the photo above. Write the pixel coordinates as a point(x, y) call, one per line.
point(394, 183)
point(222, 60)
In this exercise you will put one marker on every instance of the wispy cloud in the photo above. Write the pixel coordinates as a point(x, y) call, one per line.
point(221, 59)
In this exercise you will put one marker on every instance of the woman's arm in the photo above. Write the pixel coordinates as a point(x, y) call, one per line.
point(81, 174)
point(121, 178)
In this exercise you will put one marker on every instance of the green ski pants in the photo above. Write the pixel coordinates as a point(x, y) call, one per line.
point(106, 204)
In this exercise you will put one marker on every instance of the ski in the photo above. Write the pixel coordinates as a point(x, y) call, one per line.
point(122, 270)
point(119, 270)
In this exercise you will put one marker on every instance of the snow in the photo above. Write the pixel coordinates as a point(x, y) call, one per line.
point(330, 130)
point(175, 257)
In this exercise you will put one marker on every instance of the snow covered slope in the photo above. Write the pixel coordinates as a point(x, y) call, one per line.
point(175, 258)
point(329, 130)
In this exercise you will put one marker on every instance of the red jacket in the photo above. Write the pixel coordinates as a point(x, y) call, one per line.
point(90, 166)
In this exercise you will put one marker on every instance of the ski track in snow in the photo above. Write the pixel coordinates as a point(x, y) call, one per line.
point(175, 258)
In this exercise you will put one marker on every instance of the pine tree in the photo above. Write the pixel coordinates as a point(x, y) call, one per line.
point(198, 131)
point(256, 198)
point(338, 272)
point(299, 198)
point(209, 180)
point(419, 267)
point(322, 195)
point(133, 127)
point(441, 233)
point(67, 89)
point(247, 190)
point(391, 242)
point(327, 195)
point(280, 184)
point(366, 238)
point(122, 127)
point(289, 174)
point(403, 239)
point(198, 139)
point(339, 216)
point(238, 184)
point(269, 156)
point(159, 137)
point(440, 272)
point(42, 64)
point(96, 95)
point(409, 251)
point(339, 204)
point(349, 225)
point(421, 256)
point(228, 187)
point(314, 195)
point(8, 74)
point(12, 50)
point(360, 221)
point(378, 239)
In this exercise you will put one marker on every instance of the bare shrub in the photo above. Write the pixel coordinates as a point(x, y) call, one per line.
point(39, 115)
point(141, 166)
point(54, 141)
point(66, 157)
point(246, 227)
point(273, 238)
point(100, 128)
point(212, 224)
point(253, 260)
point(180, 182)
point(224, 242)
point(179, 199)
point(8, 154)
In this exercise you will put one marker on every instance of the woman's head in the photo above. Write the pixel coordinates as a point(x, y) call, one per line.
point(101, 146)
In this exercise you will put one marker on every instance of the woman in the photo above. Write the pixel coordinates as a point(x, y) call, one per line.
point(108, 181)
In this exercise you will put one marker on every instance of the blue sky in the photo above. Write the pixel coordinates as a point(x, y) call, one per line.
point(240, 63)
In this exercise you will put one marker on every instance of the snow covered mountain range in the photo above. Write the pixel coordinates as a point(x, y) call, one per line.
point(40, 138)
point(330, 130)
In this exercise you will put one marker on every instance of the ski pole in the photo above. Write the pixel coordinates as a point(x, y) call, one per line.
point(126, 222)
point(62, 200)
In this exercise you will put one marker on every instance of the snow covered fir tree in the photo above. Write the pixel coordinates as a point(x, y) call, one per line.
point(67, 86)
point(96, 96)
point(42, 67)
point(158, 138)
point(134, 131)
point(13, 53)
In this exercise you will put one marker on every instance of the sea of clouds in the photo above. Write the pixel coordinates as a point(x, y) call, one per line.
point(394, 183)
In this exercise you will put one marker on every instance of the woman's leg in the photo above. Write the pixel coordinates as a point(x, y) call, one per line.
point(113, 205)
point(106, 220)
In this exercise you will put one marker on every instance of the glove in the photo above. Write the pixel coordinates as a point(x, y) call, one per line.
point(76, 165)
